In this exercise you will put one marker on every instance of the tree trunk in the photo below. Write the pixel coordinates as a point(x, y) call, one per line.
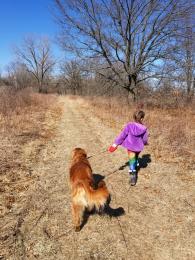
point(132, 85)
point(41, 87)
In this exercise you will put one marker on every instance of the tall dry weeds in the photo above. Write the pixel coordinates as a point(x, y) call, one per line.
point(172, 131)
point(27, 123)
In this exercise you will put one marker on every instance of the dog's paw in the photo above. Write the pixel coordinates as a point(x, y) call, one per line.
point(77, 229)
point(101, 210)
point(101, 184)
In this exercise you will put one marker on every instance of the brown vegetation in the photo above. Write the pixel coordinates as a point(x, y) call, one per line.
point(36, 213)
point(27, 122)
point(172, 130)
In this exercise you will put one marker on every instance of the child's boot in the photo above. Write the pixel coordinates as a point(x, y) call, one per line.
point(133, 177)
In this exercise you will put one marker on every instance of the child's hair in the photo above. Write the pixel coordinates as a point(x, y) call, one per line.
point(138, 116)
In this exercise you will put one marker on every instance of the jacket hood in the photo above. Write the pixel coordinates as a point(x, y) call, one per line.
point(137, 129)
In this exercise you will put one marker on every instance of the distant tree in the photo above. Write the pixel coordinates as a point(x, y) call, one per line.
point(71, 74)
point(181, 62)
point(18, 75)
point(36, 55)
point(126, 38)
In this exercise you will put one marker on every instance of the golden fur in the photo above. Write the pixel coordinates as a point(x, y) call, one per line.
point(84, 196)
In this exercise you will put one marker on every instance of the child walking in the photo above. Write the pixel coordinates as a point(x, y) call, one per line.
point(133, 137)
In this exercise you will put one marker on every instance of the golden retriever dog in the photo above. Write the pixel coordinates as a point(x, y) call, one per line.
point(84, 195)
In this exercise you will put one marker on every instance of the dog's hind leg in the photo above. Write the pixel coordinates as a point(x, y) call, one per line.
point(77, 213)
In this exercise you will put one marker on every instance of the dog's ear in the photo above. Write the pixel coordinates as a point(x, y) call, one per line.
point(73, 154)
point(83, 153)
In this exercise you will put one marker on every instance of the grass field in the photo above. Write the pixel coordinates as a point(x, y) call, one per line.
point(38, 134)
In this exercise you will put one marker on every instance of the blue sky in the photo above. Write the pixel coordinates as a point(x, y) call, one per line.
point(20, 18)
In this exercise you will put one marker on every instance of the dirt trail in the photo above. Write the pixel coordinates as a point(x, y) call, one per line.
point(158, 220)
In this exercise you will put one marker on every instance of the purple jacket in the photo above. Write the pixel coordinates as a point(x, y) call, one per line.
point(133, 137)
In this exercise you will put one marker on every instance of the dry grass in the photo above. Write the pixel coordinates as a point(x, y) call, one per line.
point(35, 206)
point(172, 131)
point(160, 210)
point(27, 122)
point(23, 117)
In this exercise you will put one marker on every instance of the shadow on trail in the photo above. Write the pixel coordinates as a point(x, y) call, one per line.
point(143, 162)
point(97, 178)
point(107, 210)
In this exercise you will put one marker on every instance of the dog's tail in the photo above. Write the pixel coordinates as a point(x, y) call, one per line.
point(99, 196)
point(94, 197)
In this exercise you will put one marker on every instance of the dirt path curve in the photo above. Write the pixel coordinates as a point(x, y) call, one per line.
point(153, 226)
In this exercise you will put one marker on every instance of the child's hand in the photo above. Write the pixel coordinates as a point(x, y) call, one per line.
point(112, 148)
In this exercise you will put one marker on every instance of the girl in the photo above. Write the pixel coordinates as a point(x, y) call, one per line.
point(133, 137)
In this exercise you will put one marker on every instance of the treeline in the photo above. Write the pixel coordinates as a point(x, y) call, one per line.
point(140, 50)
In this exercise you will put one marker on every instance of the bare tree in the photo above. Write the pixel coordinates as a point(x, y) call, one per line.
point(125, 37)
point(71, 74)
point(37, 57)
point(186, 43)
point(18, 76)
point(183, 54)
point(179, 66)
